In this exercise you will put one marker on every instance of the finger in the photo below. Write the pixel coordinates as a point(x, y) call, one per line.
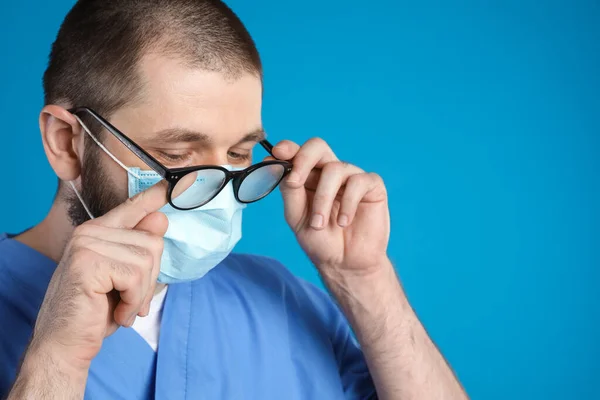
point(148, 224)
point(117, 252)
point(312, 182)
point(315, 153)
point(333, 176)
point(136, 237)
point(131, 296)
point(148, 234)
point(136, 208)
point(145, 310)
point(127, 280)
point(294, 199)
point(134, 262)
point(155, 223)
point(357, 188)
point(113, 301)
point(285, 150)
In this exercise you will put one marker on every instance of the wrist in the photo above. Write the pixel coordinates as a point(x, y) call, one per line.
point(374, 304)
point(45, 374)
point(369, 290)
point(381, 271)
point(44, 355)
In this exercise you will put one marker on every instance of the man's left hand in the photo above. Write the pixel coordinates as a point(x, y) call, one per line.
point(338, 212)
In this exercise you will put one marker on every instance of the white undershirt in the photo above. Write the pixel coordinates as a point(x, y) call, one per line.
point(149, 327)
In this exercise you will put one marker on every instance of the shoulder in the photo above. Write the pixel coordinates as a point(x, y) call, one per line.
point(24, 276)
point(23, 266)
point(20, 298)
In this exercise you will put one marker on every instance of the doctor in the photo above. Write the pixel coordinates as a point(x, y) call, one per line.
point(129, 289)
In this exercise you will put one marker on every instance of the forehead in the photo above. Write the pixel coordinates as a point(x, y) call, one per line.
point(176, 95)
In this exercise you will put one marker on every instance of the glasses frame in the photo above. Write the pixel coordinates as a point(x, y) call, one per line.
point(174, 175)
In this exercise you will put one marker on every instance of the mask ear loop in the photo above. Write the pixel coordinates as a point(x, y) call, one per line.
point(115, 159)
point(87, 210)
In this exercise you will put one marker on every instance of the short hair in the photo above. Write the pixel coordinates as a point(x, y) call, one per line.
point(95, 56)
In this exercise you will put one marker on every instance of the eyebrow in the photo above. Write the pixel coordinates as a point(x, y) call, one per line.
point(179, 135)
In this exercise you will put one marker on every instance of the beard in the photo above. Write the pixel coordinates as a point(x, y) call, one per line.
point(97, 190)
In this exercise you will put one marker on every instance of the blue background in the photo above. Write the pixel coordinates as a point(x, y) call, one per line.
point(483, 119)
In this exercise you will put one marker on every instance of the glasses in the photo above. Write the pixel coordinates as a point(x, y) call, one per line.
point(193, 187)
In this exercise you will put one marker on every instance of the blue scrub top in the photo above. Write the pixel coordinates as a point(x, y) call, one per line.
point(248, 329)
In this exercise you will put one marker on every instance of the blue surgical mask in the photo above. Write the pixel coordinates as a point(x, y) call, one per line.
point(196, 240)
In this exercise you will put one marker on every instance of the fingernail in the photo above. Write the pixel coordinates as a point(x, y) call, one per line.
point(343, 220)
point(294, 177)
point(316, 221)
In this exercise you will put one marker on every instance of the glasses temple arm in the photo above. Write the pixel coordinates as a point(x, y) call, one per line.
point(267, 146)
point(130, 144)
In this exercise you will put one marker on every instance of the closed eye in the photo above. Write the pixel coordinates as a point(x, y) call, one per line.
point(173, 157)
point(239, 156)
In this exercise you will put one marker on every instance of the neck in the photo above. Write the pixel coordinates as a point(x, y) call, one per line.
point(50, 236)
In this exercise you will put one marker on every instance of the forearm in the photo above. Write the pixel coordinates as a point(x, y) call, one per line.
point(403, 361)
point(43, 376)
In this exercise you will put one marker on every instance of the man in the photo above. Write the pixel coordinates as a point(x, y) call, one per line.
point(128, 288)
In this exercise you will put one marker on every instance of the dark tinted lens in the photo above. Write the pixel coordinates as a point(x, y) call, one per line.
point(196, 188)
point(260, 182)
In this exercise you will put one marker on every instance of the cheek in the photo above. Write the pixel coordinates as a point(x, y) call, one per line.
point(116, 177)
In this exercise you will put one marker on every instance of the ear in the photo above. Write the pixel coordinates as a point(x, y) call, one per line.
point(62, 140)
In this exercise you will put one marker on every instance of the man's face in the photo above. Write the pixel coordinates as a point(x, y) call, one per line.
point(186, 117)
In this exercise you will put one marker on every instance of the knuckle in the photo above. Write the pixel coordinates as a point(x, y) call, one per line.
point(132, 281)
point(78, 242)
point(320, 198)
point(316, 141)
point(356, 179)
point(341, 168)
point(143, 255)
point(83, 257)
point(138, 276)
point(153, 244)
point(334, 167)
point(139, 250)
point(122, 269)
point(148, 260)
point(301, 158)
point(83, 230)
point(133, 274)
point(376, 177)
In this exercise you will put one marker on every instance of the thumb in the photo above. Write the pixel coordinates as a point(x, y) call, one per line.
point(294, 204)
point(294, 201)
point(155, 223)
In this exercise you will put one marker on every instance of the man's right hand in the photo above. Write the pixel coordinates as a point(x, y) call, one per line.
point(107, 277)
